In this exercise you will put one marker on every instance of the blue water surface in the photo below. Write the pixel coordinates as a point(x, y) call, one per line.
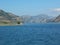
point(30, 34)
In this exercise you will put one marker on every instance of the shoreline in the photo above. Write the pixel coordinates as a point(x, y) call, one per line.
point(9, 24)
point(22, 24)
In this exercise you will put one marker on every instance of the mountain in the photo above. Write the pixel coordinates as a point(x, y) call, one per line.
point(57, 19)
point(6, 17)
point(10, 18)
point(42, 18)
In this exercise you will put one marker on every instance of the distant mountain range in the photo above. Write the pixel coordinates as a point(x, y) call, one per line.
point(42, 18)
point(6, 17)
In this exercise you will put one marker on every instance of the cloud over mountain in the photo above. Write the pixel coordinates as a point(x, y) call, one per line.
point(56, 9)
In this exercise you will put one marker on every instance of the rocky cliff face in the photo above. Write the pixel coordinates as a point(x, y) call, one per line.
point(57, 19)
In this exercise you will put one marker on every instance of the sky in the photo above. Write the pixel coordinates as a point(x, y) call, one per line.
point(31, 7)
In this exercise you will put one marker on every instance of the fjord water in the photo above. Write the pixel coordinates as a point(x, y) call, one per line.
point(30, 34)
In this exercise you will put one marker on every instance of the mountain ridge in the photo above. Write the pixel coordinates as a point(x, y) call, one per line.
point(6, 17)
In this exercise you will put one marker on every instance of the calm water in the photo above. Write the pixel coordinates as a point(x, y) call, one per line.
point(33, 34)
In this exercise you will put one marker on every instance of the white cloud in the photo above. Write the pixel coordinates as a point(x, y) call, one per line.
point(56, 9)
